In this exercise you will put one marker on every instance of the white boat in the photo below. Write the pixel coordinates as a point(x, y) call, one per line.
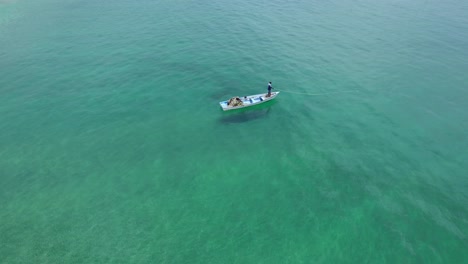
point(248, 101)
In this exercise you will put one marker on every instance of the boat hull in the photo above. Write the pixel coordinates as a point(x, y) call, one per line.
point(250, 100)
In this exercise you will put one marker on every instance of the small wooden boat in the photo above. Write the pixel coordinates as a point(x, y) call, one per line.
point(246, 101)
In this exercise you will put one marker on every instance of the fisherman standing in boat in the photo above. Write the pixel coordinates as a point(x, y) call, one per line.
point(269, 89)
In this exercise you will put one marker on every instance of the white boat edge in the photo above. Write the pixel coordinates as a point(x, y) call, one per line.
point(249, 100)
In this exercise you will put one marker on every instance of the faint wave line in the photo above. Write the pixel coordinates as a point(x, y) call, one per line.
point(337, 92)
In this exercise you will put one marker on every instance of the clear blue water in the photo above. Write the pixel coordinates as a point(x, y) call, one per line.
point(113, 148)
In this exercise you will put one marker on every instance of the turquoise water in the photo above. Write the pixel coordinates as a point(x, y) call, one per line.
point(113, 148)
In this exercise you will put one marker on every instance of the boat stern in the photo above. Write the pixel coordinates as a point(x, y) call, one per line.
point(223, 105)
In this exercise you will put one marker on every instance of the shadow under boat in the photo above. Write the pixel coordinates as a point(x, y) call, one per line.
point(247, 114)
